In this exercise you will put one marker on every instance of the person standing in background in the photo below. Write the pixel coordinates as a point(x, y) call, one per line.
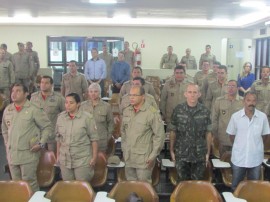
point(129, 55)
point(246, 79)
point(189, 60)
point(211, 58)
point(169, 60)
point(108, 58)
point(8, 55)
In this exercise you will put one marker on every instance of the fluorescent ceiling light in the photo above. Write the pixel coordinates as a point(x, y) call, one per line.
point(252, 4)
point(267, 23)
point(103, 1)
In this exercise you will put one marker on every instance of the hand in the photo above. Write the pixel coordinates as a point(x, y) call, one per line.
point(116, 120)
point(206, 159)
point(150, 163)
point(92, 162)
point(35, 148)
point(172, 156)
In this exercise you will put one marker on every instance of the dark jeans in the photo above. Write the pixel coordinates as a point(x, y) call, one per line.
point(240, 172)
point(115, 89)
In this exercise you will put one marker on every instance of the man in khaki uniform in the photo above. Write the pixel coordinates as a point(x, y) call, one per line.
point(217, 88)
point(262, 89)
point(51, 102)
point(223, 109)
point(102, 113)
point(25, 129)
point(137, 81)
point(142, 136)
point(129, 55)
point(22, 66)
point(108, 59)
point(7, 77)
point(211, 58)
point(35, 63)
point(8, 55)
point(74, 82)
point(189, 60)
point(137, 72)
point(172, 93)
point(200, 77)
point(169, 60)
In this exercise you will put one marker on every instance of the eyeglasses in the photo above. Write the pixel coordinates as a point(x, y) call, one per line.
point(134, 95)
point(230, 86)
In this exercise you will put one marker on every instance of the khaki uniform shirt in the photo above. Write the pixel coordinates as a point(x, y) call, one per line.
point(263, 94)
point(221, 115)
point(7, 76)
point(168, 61)
point(52, 106)
point(148, 87)
point(22, 65)
point(74, 84)
point(209, 57)
point(35, 63)
point(21, 130)
point(108, 58)
point(189, 61)
point(211, 77)
point(8, 56)
point(143, 135)
point(129, 58)
point(172, 94)
point(75, 137)
point(125, 102)
point(104, 120)
point(214, 91)
point(199, 78)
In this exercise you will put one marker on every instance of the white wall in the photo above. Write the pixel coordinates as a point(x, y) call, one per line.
point(156, 39)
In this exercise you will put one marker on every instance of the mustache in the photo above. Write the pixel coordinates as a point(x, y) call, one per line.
point(251, 105)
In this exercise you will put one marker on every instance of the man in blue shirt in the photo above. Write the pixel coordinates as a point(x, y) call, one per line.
point(120, 73)
point(95, 70)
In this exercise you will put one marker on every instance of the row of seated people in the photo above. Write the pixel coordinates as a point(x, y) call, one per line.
point(186, 191)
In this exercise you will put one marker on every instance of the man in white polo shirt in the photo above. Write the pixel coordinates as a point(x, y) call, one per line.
point(248, 129)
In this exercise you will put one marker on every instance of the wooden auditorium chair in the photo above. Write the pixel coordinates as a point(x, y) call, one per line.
point(193, 191)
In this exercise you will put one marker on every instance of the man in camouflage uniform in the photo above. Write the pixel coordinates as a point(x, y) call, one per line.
point(8, 55)
point(172, 93)
point(137, 81)
point(262, 89)
point(142, 136)
point(51, 102)
point(217, 88)
point(223, 109)
point(102, 114)
point(74, 82)
point(25, 129)
point(137, 72)
point(190, 137)
point(169, 60)
point(211, 58)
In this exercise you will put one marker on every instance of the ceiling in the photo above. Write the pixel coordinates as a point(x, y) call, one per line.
point(170, 12)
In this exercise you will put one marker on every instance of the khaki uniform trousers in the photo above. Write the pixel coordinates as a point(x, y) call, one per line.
point(26, 172)
point(84, 173)
point(142, 174)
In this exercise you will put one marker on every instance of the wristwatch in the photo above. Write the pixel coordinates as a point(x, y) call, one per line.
point(42, 146)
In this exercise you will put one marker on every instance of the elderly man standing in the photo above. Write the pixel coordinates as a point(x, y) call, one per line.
point(189, 60)
point(74, 82)
point(142, 136)
point(190, 137)
point(25, 129)
point(223, 109)
point(102, 114)
point(169, 60)
point(95, 70)
point(247, 129)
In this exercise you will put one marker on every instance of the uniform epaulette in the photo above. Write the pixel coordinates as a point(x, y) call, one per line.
point(148, 82)
point(58, 94)
point(127, 82)
point(258, 82)
point(35, 93)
